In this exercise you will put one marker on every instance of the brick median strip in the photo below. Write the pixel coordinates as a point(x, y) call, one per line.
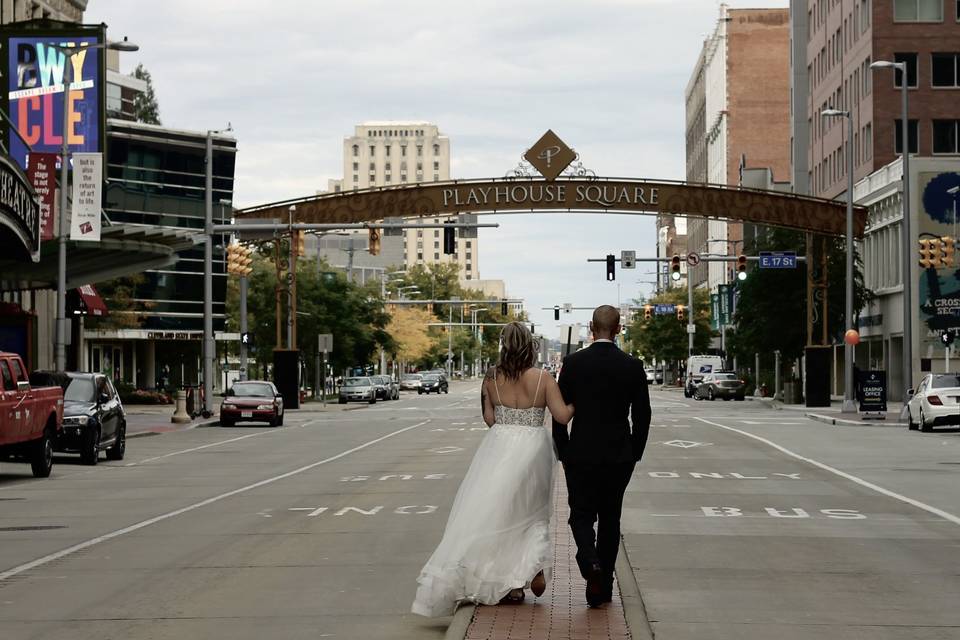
point(561, 612)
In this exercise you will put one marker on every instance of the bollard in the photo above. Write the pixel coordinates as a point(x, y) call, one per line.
point(180, 415)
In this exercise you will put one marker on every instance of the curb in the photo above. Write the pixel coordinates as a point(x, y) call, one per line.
point(843, 422)
point(634, 610)
point(462, 618)
point(144, 434)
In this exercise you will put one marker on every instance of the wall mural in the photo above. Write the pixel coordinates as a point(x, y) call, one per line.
point(939, 290)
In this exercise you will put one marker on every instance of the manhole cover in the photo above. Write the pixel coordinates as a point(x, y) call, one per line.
point(37, 527)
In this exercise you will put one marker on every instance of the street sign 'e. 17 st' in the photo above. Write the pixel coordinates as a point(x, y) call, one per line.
point(664, 309)
point(778, 260)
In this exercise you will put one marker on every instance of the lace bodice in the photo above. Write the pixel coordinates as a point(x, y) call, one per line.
point(532, 417)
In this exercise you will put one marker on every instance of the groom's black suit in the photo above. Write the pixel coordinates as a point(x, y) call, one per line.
point(599, 454)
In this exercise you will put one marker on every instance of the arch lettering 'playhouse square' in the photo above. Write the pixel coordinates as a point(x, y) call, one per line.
point(615, 195)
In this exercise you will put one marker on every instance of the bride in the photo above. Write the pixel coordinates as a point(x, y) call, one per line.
point(497, 539)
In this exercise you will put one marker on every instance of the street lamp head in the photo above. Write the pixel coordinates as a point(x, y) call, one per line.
point(123, 45)
point(886, 64)
point(833, 113)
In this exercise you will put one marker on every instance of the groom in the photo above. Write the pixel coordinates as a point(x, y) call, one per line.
point(605, 385)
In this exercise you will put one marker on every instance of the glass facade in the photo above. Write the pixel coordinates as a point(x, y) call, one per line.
point(156, 177)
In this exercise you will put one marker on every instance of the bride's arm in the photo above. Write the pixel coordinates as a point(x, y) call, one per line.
point(560, 410)
point(486, 402)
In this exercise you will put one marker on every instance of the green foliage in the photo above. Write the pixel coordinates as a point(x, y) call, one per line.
point(664, 338)
point(120, 296)
point(772, 306)
point(145, 105)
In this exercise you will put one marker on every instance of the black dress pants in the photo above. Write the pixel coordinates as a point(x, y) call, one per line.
point(595, 494)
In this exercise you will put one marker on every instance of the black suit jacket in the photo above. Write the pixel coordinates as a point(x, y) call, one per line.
point(605, 385)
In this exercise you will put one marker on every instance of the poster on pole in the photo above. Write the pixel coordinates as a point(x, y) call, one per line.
point(41, 170)
point(87, 183)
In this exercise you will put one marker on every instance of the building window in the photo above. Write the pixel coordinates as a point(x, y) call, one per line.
point(436, 166)
point(356, 166)
point(419, 233)
point(436, 256)
point(918, 10)
point(945, 136)
point(468, 243)
point(373, 151)
point(419, 166)
point(469, 256)
point(356, 150)
point(373, 167)
point(387, 177)
point(419, 150)
point(387, 150)
point(912, 134)
point(436, 232)
point(911, 60)
point(944, 73)
point(469, 267)
point(436, 149)
point(436, 245)
point(419, 256)
point(436, 177)
point(403, 147)
point(403, 177)
point(386, 166)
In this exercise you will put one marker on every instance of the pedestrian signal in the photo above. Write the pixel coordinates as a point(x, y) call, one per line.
point(681, 312)
point(675, 267)
point(947, 250)
point(946, 338)
point(741, 267)
point(373, 241)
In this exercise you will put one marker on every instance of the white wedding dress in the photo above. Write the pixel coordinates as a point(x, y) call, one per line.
point(498, 535)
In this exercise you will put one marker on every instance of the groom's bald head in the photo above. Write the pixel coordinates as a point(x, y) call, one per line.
point(606, 322)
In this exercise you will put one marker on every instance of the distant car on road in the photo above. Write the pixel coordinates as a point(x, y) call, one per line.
point(935, 402)
point(252, 401)
point(651, 379)
point(389, 386)
point(724, 385)
point(697, 367)
point(410, 381)
point(433, 382)
point(93, 419)
point(360, 389)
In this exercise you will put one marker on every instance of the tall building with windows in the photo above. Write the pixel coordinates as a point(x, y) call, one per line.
point(731, 122)
point(842, 40)
point(390, 153)
point(63, 10)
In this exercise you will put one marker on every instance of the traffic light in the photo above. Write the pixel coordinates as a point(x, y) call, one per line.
point(373, 241)
point(741, 267)
point(929, 253)
point(246, 339)
point(947, 250)
point(611, 267)
point(300, 242)
point(681, 312)
point(946, 338)
point(449, 239)
point(556, 312)
point(238, 260)
point(647, 312)
point(675, 267)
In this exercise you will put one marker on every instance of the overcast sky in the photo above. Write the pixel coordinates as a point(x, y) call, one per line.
point(294, 77)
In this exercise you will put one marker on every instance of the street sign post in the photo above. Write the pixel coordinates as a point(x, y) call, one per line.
point(778, 260)
point(664, 309)
point(628, 259)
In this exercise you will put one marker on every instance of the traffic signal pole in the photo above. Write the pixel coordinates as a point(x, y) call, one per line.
point(243, 327)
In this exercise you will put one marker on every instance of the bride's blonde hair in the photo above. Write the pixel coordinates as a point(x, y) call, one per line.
point(518, 350)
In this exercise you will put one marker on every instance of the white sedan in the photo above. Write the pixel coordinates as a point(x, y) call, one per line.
point(935, 402)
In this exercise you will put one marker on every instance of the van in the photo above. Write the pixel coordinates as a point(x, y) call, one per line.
point(697, 367)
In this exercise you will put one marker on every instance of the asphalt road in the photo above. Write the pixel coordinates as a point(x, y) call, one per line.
point(747, 523)
point(311, 530)
point(741, 522)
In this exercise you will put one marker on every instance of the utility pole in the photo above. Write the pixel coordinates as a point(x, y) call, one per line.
point(243, 327)
point(292, 285)
point(691, 327)
point(208, 344)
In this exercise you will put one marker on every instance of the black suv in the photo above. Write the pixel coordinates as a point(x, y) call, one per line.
point(93, 419)
point(433, 382)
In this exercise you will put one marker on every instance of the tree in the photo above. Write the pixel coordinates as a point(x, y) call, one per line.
point(120, 296)
point(664, 338)
point(145, 105)
point(409, 329)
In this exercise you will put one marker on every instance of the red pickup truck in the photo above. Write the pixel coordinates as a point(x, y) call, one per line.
point(30, 417)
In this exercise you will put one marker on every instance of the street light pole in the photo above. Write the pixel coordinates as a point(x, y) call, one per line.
point(849, 406)
point(906, 241)
point(60, 332)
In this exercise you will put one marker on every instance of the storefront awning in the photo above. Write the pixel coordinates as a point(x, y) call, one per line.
point(123, 250)
point(91, 301)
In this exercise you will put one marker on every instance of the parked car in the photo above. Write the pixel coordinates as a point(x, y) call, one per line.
point(360, 388)
point(380, 387)
point(433, 382)
point(697, 367)
point(93, 419)
point(252, 401)
point(391, 390)
point(651, 379)
point(658, 376)
point(724, 385)
point(31, 417)
point(410, 381)
point(935, 402)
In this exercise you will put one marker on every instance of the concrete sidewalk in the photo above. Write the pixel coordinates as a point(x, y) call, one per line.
point(834, 415)
point(561, 612)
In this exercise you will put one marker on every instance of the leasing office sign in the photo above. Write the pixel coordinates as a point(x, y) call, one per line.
point(19, 211)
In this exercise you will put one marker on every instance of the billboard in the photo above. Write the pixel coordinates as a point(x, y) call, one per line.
point(34, 74)
point(939, 289)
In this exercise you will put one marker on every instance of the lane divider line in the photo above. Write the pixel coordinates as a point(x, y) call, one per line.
point(47, 559)
point(949, 517)
point(217, 444)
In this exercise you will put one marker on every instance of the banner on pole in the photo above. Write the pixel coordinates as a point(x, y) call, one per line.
point(41, 170)
point(87, 184)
